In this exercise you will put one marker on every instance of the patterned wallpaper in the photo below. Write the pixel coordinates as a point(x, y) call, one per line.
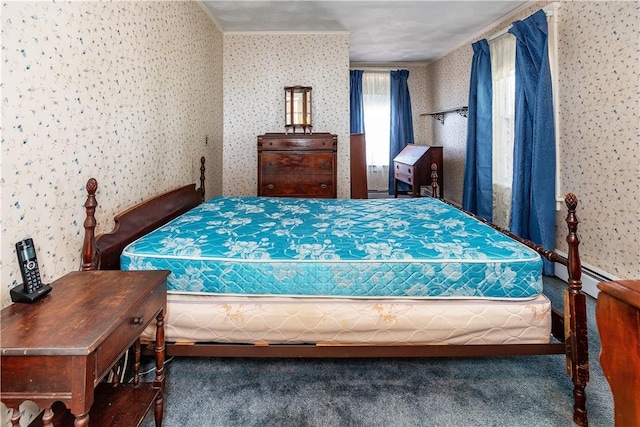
point(257, 67)
point(599, 126)
point(125, 92)
point(448, 83)
point(417, 83)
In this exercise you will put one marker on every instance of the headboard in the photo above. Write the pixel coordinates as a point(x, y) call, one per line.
point(103, 252)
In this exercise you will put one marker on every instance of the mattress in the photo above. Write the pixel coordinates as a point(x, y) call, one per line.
point(401, 248)
point(325, 321)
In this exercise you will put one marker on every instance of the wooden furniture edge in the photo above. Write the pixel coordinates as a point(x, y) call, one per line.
point(570, 327)
point(357, 351)
point(618, 320)
point(626, 291)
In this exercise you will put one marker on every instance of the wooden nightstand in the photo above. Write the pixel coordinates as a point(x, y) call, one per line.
point(61, 347)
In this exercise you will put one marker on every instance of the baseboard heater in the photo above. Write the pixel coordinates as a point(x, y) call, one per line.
point(591, 276)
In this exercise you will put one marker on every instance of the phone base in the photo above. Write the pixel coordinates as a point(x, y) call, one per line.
point(19, 295)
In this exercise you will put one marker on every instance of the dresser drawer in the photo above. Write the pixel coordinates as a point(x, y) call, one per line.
point(129, 330)
point(404, 169)
point(298, 186)
point(297, 164)
point(404, 173)
point(293, 142)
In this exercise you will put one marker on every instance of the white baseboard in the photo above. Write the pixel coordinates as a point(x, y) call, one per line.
point(591, 276)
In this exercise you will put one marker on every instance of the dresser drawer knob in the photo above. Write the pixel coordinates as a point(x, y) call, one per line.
point(409, 179)
point(324, 164)
point(270, 186)
point(138, 320)
point(408, 170)
point(323, 186)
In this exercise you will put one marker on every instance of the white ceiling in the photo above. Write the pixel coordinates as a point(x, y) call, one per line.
point(380, 31)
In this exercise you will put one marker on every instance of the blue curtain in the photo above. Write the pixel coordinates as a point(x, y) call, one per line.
point(477, 192)
point(356, 104)
point(401, 122)
point(534, 163)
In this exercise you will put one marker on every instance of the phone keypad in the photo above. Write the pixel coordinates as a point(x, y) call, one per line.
point(32, 276)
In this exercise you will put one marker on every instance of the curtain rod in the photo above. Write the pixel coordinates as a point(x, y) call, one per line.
point(506, 30)
point(374, 70)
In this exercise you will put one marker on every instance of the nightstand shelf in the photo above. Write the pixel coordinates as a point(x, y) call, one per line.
point(106, 410)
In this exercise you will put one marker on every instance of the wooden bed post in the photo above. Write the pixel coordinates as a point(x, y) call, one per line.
point(202, 179)
point(434, 180)
point(89, 246)
point(576, 318)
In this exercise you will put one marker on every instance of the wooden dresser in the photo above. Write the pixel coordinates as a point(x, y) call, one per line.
point(297, 165)
point(413, 166)
point(618, 318)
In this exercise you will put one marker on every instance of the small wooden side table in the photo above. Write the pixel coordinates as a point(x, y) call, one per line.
point(61, 347)
point(413, 166)
point(618, 318)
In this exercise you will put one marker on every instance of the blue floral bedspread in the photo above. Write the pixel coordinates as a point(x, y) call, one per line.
point(416, 248)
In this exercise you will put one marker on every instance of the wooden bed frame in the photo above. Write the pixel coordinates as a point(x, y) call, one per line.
point(568, 327)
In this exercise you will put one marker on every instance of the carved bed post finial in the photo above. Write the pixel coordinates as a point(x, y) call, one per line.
point(576, 317)
point(575, 271)
point(434, 180)
point(202, 179)
point(89, 246)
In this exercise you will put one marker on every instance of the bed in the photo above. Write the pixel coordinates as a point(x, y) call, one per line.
point(279, 277)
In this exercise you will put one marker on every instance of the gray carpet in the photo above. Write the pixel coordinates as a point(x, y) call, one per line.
point(502, 391)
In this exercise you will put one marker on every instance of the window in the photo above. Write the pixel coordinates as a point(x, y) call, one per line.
point(503, 78)
point(376, 98)
point(503, 56)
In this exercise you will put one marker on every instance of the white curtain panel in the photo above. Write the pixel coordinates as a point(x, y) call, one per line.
point(378, 178)
point(503, 57)
point(376, 97)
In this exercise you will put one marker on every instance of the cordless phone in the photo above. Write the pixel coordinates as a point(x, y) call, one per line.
point(28, 266)
point(32, 287)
